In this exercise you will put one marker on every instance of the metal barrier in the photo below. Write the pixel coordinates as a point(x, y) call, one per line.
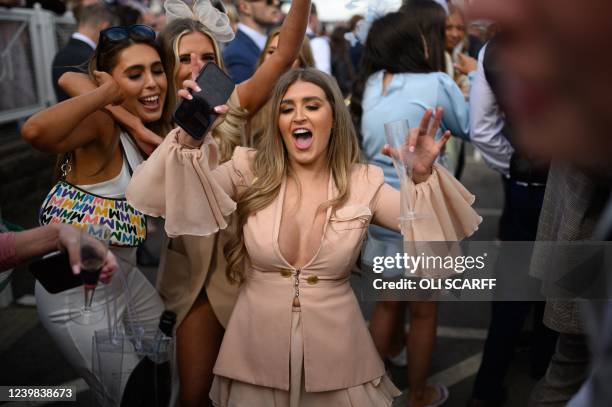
point(29, 39)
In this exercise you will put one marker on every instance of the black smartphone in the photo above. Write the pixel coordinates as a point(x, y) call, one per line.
point(54, 273)
point(196, 116)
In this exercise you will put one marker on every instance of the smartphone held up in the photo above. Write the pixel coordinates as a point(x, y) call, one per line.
point(196, 116)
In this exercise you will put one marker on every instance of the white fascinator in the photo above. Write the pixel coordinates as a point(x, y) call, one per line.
point(203, 11)
point(375, 10)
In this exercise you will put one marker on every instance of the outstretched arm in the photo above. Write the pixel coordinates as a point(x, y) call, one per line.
point(77, 84)
point(23, 246)
point(255, 91)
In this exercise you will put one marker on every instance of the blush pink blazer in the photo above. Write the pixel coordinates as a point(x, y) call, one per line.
point(338, 349)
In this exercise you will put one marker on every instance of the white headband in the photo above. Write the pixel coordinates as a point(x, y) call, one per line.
point(203, 11)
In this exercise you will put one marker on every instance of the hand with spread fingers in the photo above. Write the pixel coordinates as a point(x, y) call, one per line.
point(422, 144)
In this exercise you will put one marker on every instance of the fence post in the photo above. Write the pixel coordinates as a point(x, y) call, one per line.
point(26, 71)
point(46, 47)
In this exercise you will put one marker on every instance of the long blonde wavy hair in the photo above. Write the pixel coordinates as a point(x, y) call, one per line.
point(271, 163)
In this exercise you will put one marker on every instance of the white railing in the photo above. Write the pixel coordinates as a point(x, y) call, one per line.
point(28, 43)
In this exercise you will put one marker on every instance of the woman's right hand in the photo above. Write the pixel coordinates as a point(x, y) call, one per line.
point(104, 80)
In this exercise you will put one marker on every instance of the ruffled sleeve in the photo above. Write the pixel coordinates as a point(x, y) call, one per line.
point(447, 210)
point(443, 206)
point(187, 187)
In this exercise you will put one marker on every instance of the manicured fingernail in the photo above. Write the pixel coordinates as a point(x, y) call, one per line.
point(218, 109)
point(189, 97)
point(411, 149)
point(198, 89)
point(76, 270)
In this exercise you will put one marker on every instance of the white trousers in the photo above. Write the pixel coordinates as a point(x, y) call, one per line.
point(75, 341)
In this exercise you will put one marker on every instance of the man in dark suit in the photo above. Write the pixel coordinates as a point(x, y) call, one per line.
point(256, 18)
point(75, 55)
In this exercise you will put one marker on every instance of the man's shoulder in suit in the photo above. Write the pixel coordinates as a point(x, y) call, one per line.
point(72, 58)
point(241, 44)
point(240, 57)
point(76, 52)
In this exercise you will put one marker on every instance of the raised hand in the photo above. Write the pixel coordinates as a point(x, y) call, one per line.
point(103, 79)
point(190, 86)
point(422, 145)
point(146, 139)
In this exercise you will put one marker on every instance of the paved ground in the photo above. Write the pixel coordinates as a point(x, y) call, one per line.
point(28, 355)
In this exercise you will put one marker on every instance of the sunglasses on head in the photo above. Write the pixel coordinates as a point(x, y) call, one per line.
point(118, 34)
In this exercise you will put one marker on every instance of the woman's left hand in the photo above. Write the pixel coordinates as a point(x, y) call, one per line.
point(422, 144)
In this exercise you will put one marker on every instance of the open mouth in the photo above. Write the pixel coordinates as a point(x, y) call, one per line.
point(302, 138)
point(151, 103)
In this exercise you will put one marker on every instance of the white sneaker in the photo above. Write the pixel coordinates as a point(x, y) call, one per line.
point(399, 360)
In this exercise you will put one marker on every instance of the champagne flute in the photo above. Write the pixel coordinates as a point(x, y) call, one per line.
point(397, 134)
point(93, 249)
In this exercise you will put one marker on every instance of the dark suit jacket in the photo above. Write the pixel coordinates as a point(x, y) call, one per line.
point(72, 58)
point(240, 57)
